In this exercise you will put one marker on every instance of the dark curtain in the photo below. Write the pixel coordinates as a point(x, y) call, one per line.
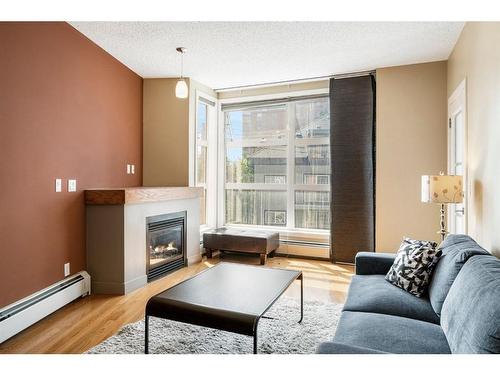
point(352, 147)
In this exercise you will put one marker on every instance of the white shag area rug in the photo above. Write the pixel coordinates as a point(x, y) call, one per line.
point(280, 335)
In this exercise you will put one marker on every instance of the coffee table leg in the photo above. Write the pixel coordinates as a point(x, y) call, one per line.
point(255, 342)
point(146, 335)
point(255, 326)
point(301, 297)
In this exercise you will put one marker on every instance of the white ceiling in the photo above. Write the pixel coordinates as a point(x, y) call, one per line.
point(227, 54)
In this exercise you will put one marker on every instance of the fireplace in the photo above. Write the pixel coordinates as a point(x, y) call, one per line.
point(165, 244)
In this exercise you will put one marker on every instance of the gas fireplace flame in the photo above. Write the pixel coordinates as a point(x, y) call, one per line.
point(170, 246)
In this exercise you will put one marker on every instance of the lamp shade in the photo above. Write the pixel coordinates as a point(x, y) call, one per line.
point(181, 89)
point(442, 189)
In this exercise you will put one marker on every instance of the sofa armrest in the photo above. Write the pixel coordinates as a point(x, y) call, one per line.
point(336, 348)
point(368, 263)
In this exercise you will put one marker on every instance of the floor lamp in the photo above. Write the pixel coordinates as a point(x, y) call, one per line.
point(442, 189)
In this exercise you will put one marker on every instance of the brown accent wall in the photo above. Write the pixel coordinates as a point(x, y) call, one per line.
point(411, 142)
point(67, 110)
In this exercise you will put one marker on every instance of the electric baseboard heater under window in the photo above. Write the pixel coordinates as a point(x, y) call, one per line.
point(22, 314)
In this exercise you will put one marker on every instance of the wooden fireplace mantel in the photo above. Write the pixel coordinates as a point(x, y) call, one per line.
point(120, 196)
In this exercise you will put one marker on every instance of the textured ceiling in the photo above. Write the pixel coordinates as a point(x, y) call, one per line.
point(226, 54)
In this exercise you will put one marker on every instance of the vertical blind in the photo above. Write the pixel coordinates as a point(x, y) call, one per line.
point(352, 147)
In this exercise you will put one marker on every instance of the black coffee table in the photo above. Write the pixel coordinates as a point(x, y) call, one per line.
point(230, 297)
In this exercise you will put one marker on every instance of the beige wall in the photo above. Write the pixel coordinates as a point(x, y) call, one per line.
point(168, 121)
point(165, 134)
point(411, 142)
point(476, 57)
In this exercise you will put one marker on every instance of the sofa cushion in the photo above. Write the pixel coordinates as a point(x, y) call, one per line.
point(413, 266)
point(389, 333)
point(369, 263)
point(456, 250)
point(470, 317)
point(372, 293)
point(330, 347)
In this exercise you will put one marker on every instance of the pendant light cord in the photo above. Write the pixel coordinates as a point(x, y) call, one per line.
point(181, 50)
point(182, 63)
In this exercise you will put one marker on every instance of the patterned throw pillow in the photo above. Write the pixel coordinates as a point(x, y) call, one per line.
point(413, 266)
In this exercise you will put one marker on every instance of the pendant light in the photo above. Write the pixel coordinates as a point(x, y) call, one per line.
point(181, 88)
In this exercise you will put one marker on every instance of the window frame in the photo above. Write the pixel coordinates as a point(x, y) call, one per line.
point(290, 188)
point(211, 144)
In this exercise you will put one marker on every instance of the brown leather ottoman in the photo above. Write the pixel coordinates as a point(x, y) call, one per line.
point(241, 240)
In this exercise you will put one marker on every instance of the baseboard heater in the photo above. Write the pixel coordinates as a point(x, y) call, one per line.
point(297, 243)
point(304, 243)
point(22, 314)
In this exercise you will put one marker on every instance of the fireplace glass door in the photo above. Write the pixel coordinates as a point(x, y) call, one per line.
point(165, 246)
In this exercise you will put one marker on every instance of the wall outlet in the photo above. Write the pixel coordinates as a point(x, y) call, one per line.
point(66, 269)
point(129, 167)
point(71, 185)
point(58, 185)
point(132, 169)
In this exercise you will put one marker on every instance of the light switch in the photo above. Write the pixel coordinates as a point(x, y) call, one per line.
point(58, 185)
point(71, 185)
point(132, 168)
point(128, 168)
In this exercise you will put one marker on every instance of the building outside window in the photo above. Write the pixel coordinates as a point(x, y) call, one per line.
point(316, 179)
point(272, 217)
point(273, 179)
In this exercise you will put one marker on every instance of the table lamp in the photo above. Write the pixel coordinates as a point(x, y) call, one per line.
point(442, 189)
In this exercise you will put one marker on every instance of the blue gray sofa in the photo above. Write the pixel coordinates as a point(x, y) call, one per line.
point(461, 313)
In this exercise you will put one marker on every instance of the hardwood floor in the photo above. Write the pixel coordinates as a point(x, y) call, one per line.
point(86, 322)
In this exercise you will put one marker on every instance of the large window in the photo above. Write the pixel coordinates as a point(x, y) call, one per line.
point(277, 163)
